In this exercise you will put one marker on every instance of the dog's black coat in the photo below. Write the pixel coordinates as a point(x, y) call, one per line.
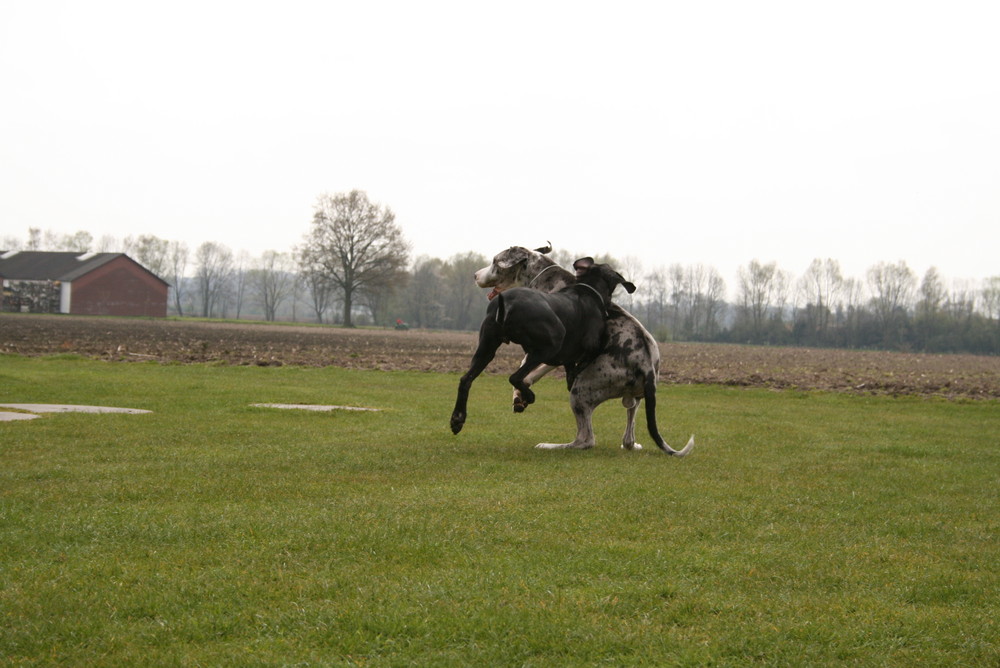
point(565, 328)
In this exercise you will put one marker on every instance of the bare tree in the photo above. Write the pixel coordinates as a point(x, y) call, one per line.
point(355, 244)
point(465, 301)
point(892, 287)
point(320, 290)
point(932, 293)
point(150, 251)
point(763, 292)
point(239, 280)
point(271, 282)
point(821, 287)
point(696, 294)
point(426, 293)
point(654, 291)
point(177, 259)
point(215, 264)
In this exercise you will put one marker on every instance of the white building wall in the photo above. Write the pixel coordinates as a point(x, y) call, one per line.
point(65, 296)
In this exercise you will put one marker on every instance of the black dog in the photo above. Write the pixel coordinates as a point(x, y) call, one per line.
point(565, 328)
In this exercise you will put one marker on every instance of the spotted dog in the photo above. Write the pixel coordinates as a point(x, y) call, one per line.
point(626, 367)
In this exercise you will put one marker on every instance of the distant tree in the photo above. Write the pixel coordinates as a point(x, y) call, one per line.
point(214, 267)
point(271, 281)
point(150, 251)
point(11, 243)
point(426, 293)
point(239, 281)
point(854, 312)
point(929, 320)
point(820, 286)
point(354, 244)
point(177, 259)
point(892, 288)
point(990, 300)
point(762, 295)
point(318, 287)
point(654, 293)
point(697, 294)
point(465, 302)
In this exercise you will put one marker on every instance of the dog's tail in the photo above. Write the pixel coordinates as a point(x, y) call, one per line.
point(649, 391)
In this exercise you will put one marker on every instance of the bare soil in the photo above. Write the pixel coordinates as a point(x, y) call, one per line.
point(187, 341)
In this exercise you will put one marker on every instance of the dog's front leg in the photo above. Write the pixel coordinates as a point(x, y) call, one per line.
point(489, 341)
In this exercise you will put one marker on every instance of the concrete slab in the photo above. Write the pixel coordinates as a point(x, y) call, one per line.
point(72, 408)
point(315, 407)
point(6, 416)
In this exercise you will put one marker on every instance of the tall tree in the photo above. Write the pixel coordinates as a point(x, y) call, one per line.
point(272, 282)
point(177, 259)
point(150, 251)
point(466, 302)
point(892, 287)
point(762, 288)
point(215, 264)
point(821, 287)
point(355, 244)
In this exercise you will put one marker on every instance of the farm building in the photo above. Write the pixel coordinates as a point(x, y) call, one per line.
point(80, 283)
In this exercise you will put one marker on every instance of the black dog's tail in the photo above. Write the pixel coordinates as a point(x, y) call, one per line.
point(649, 391)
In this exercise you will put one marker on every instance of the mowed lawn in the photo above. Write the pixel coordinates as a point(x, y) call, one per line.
point(804, 529)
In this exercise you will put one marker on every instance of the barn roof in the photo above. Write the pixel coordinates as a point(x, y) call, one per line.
point(54, 266)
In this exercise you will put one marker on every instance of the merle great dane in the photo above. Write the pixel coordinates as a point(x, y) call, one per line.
point(627, 366)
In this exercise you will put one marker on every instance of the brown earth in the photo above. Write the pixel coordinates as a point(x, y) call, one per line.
point(121, 339)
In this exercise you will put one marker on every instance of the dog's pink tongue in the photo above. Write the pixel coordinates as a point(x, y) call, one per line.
point(493, 293)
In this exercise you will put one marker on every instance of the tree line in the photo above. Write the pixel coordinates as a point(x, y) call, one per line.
point(353, 267)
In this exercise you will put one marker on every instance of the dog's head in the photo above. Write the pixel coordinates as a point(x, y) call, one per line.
point(508, 269)
point(601, 277)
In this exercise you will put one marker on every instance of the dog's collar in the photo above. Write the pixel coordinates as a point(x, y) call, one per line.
point(604, 306)
point(539, 274)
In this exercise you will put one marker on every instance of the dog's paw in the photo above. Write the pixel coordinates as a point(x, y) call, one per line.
point(457, 422)
point(519, 405)
point(634, 446)
point(564, 446)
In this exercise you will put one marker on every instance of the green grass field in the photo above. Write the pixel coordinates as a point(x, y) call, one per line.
point(804, 529)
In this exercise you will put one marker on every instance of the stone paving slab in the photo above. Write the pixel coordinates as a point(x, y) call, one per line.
point(6, 416)
point(72, 408)
point(315, 407)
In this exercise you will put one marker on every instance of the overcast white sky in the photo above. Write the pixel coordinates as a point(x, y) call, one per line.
point(690, 132)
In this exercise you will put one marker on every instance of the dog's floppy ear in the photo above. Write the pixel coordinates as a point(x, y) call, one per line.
point(583, 265)
point(515, 255)
point(629, 287)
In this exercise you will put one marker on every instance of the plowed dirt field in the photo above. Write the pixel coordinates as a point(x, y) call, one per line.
point(187, 341)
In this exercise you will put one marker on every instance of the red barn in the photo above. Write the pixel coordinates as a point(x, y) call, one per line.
point(81, 284)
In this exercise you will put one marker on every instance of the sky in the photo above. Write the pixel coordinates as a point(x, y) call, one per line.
point(656, 132)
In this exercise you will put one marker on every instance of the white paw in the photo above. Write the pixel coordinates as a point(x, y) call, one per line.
point(635, 446)
point(551, 446)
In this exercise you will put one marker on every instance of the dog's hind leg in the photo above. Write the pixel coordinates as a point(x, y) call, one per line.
point(631, 405)
point(517, 379)
point(536, 374)
point(583, 410)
